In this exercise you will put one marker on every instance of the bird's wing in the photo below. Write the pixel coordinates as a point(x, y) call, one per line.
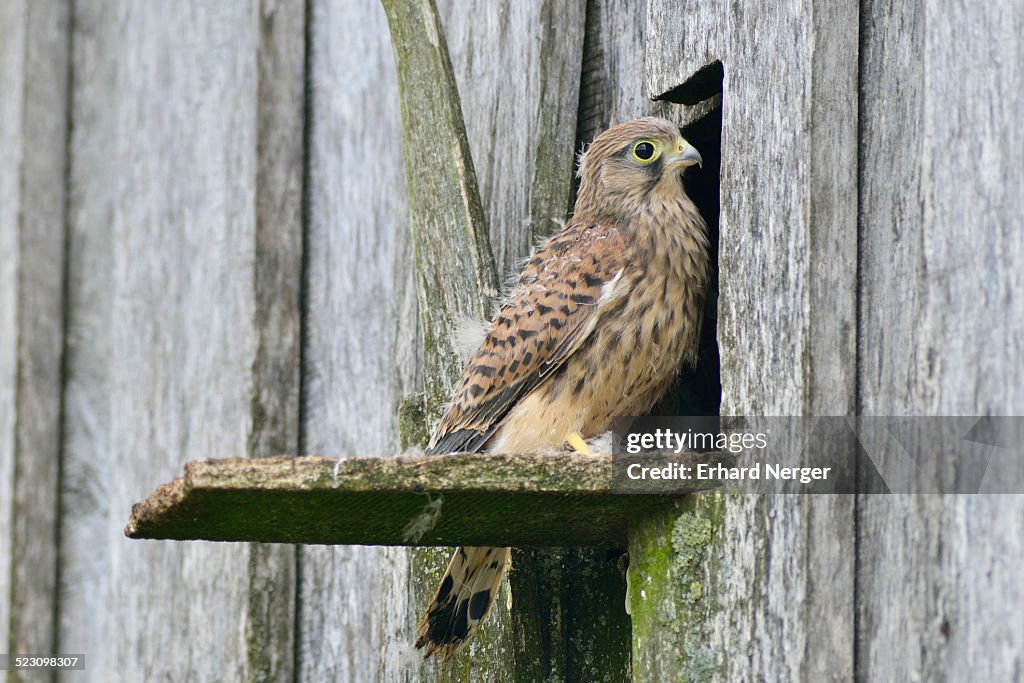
point(548, 315)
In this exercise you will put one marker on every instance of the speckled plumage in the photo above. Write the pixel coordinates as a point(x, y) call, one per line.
point(600, 321)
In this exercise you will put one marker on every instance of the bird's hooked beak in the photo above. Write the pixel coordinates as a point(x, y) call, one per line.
point(684, 155)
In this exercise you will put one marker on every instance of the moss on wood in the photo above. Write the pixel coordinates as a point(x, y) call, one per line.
point(672, 590)
point(465, 499)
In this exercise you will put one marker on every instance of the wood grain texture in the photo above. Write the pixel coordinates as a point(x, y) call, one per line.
point(87, 535)
point(787, 258)
point(173, 196)
point(941, 317)
point(361, 332)
point(612, 73)
point(33, 135)
point(682, 39)
point(455, 271)
point(11, 50)
point(516, 66)
point(683, 42)
point(182, 323)
point(280, 165)
point(797, 123)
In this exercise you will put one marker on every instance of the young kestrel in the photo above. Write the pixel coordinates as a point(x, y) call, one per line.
point(599, 323)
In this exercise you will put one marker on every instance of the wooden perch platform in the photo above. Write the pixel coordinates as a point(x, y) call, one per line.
point(560, 499)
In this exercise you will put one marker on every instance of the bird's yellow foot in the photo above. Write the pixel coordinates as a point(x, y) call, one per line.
point(575, 439)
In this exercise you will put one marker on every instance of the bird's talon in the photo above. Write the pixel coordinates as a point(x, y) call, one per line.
point(575, 440)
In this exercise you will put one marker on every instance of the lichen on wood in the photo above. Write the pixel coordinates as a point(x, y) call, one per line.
point(675, 576)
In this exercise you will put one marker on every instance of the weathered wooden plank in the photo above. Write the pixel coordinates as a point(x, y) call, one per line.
point(455, 271)
point(557, 500)
point(787, 257)
point(13, 21)
point(280, 107)
point(516, 65)
point(33, 135)
point(361, 332)
point(183, 330)
point(612, 74)
point(86, 622)
point(11, 49)
point(797, 223)
point(685, 45)
point(173, 197)
point(941, 259)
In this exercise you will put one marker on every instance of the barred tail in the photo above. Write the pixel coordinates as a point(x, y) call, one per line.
point(463, 599)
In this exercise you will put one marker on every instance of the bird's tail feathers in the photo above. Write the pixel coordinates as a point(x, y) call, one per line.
point(463, 599)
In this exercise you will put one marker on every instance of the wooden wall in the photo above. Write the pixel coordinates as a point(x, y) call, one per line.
point(783, 586)
point(33, 164)
point(359, 325)
point(184, 266)
point(205, 251)
point(942, 328)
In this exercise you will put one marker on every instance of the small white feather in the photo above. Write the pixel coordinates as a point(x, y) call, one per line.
point(608, 289)
point(602, 444)
point(469, 335)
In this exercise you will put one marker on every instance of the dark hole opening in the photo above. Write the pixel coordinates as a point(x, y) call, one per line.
point(697, 390)
point(703, 85)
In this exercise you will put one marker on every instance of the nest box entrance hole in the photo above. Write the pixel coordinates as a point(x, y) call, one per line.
point(697, 390)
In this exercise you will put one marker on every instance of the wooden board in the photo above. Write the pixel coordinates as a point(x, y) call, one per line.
point(360, 329)
point(183, 336)
point(777, 572)
point(612, 76)
point(33, 137)
point(87, 536)
point(12, 49)
point(516, 66)
point(941, 194)
point(10, 77)
point(554, 500)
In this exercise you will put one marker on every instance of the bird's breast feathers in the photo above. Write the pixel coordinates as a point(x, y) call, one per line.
point(591, 330)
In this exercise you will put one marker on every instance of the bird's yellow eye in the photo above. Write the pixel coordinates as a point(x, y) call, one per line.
point(646, 151)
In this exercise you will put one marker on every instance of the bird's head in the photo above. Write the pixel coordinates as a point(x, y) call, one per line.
point(628, 165)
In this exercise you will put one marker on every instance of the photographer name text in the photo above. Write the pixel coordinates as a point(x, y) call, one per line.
point(718, 472)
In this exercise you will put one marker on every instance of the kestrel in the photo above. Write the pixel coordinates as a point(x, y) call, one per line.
point(601, 320)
